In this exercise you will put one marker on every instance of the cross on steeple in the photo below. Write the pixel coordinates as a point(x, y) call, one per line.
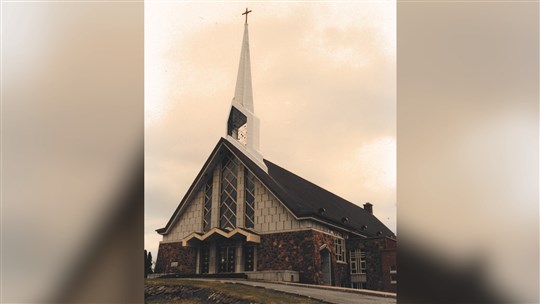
point(246, 13)
point(243, 124)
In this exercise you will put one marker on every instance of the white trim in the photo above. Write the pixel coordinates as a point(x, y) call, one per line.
point(325, 232)
point(329, 224)
point(252, 154)
point(285, 231)
point(250, 237)
point(169, 242)
point(297, 230)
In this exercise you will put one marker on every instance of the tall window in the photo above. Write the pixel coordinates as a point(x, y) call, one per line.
point(207, 212)
point(339, 245)
point(205, 258)
point(358, 261)
point(249, 195)
point(229, 181)
point(249, 257)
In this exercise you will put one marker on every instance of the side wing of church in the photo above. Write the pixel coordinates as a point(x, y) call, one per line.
point(246, 215)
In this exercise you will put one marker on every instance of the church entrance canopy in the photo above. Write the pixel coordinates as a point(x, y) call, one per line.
point(216, 234)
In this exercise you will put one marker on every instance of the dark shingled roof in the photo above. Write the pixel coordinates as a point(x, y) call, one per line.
point(301, 197)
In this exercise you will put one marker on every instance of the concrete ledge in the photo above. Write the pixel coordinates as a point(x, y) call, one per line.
point(274, 275)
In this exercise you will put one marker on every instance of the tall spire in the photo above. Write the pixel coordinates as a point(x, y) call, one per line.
point(243, 93)
point(242, 124)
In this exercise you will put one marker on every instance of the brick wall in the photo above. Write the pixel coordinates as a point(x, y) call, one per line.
point(186, 257)
point(389, 257)
point(380, 254)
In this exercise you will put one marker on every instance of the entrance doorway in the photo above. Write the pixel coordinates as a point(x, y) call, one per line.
point(326, 266)
point(226, 257)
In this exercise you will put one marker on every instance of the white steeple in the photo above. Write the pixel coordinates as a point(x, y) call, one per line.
point(243, 125)
point(243, 93)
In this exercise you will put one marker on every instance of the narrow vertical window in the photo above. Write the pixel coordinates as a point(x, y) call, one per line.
point(249, 195)
point(354, 260)
point(249, 257)
point(362, 261)
point(207, 212)
point(205, 258)
point(393, 274)
point(339, 245)
point(229, 181)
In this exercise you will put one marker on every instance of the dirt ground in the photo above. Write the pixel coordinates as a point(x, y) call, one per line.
point(173, 291)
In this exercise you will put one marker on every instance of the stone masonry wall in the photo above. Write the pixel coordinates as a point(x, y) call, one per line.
point(342, 275)
point(299, 251)
point(340, 270)
point(186, 257)
point(288, 251)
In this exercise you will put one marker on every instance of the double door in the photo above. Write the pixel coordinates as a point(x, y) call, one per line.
point(226, 256)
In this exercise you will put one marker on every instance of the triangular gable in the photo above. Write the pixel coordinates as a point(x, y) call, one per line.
point(201, 178)
point(207, 171)
point(299, 196)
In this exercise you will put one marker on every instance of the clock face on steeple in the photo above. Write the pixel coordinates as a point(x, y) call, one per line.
point(242, 134)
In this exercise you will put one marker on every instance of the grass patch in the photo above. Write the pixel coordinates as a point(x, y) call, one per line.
point(239, 291)
point(185, 301)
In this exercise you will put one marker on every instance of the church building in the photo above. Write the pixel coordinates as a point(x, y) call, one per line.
point(246, 215)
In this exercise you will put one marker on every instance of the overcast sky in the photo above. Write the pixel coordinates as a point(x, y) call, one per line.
point(323, 85)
